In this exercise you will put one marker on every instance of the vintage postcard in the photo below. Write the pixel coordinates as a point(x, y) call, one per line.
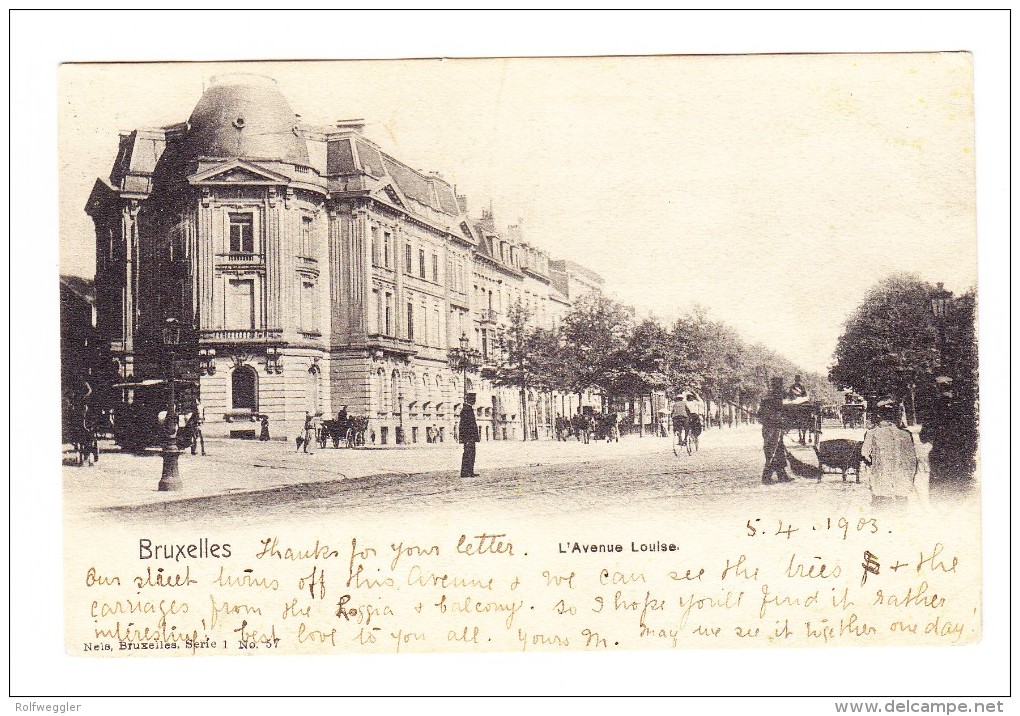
point(568, 354)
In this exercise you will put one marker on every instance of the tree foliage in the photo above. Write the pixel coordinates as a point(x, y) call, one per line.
point(595, 337)
point(891, 341)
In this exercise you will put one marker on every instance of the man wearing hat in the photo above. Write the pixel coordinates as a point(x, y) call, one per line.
point(797, 390)
point(681, 414)
point(771, 417)
point(468, 436)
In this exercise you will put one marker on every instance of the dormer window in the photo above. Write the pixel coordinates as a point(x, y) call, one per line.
point(242, 235)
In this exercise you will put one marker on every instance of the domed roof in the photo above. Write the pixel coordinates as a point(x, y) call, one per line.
point(245, 116)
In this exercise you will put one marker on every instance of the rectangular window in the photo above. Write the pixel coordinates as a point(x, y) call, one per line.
point(309, 309)
point(242, 234)
point(377, 308)
point(386, 249)
point(425, 335)
point(437, 329)
point(307, 244)
point(375, 246)
point(410, 321)
point(407, 258)
point(435, 268)
point(421, 263)
point(239, 311)
point(389, 314)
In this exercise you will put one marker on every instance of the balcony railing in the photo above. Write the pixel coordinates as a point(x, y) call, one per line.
point(241, 257)
point(402, 346)
point(242, 334)
point(307, 262)
point(487, 315)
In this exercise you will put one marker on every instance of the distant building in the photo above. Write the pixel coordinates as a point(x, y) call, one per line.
point(312, 271)
point(573, 280)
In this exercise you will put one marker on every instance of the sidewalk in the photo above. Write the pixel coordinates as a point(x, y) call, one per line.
point(245, 466)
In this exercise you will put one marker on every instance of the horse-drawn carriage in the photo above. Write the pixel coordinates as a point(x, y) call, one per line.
point(141, 422)
point(853, 414)
point(607, 427)
point(348, 429)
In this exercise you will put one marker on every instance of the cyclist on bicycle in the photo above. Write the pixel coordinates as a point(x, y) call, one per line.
point(681, 417)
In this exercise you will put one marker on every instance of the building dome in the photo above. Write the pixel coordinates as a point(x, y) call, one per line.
point(245, 116)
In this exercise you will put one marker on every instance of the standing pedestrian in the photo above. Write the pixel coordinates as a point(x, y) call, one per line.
point(195, 424)
point(264, 434)
point(468, 436)
point(771, 417)
point(888, 451)
point(309, 431)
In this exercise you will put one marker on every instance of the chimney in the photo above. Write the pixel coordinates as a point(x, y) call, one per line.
point(462, 203)
point(351, 125)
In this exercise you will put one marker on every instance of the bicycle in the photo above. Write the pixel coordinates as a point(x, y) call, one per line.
point(681, 439)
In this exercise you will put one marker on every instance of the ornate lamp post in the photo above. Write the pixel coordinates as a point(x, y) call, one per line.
point(171, 479)
point(939, 303)
point(464, 359)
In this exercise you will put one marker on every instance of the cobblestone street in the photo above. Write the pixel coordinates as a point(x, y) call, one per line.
point(248, 481)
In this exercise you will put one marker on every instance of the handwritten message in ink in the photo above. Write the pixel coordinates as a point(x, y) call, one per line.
point(752, 581)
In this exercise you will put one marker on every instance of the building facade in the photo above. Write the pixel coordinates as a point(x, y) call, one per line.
point(311, 271)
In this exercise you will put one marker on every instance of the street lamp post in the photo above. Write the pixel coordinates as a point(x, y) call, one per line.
point(939, 303)
point(464, 359)
point(171, 478)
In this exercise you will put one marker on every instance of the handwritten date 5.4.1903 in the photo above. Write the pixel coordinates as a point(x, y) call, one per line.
point(840, 527)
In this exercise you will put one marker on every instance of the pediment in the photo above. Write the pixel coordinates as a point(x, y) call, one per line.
point(238, 172)
point(393, 195)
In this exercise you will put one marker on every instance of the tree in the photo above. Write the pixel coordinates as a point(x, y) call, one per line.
point(594, 333)
point(643, 364)
point(513, 366)
point(890, 343)
point(713, 355)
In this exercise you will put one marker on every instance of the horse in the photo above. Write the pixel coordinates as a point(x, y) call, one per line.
point(806, 419)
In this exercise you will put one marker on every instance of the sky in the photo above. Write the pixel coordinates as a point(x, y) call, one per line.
point(774, 190)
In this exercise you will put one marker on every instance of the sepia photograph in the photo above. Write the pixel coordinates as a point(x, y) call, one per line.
point(522, 355)
point(330, 325)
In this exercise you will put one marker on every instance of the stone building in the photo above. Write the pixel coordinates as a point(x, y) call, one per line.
point(312, 271)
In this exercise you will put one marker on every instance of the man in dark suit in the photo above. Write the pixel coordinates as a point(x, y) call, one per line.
point(468, 436)
point(771, 417)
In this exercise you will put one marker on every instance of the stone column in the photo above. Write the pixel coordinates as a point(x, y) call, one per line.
point(398, 292)
point(129, 232)
point(335, 217)
point(359, 272)
point(277, 295)
point(205, 272)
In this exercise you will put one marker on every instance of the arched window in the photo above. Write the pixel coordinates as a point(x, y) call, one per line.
point(244, 389)
point(379, 399)
point(395, 391)
point(410, 382)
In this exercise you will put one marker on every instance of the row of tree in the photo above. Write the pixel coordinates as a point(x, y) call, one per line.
point(601, 347)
